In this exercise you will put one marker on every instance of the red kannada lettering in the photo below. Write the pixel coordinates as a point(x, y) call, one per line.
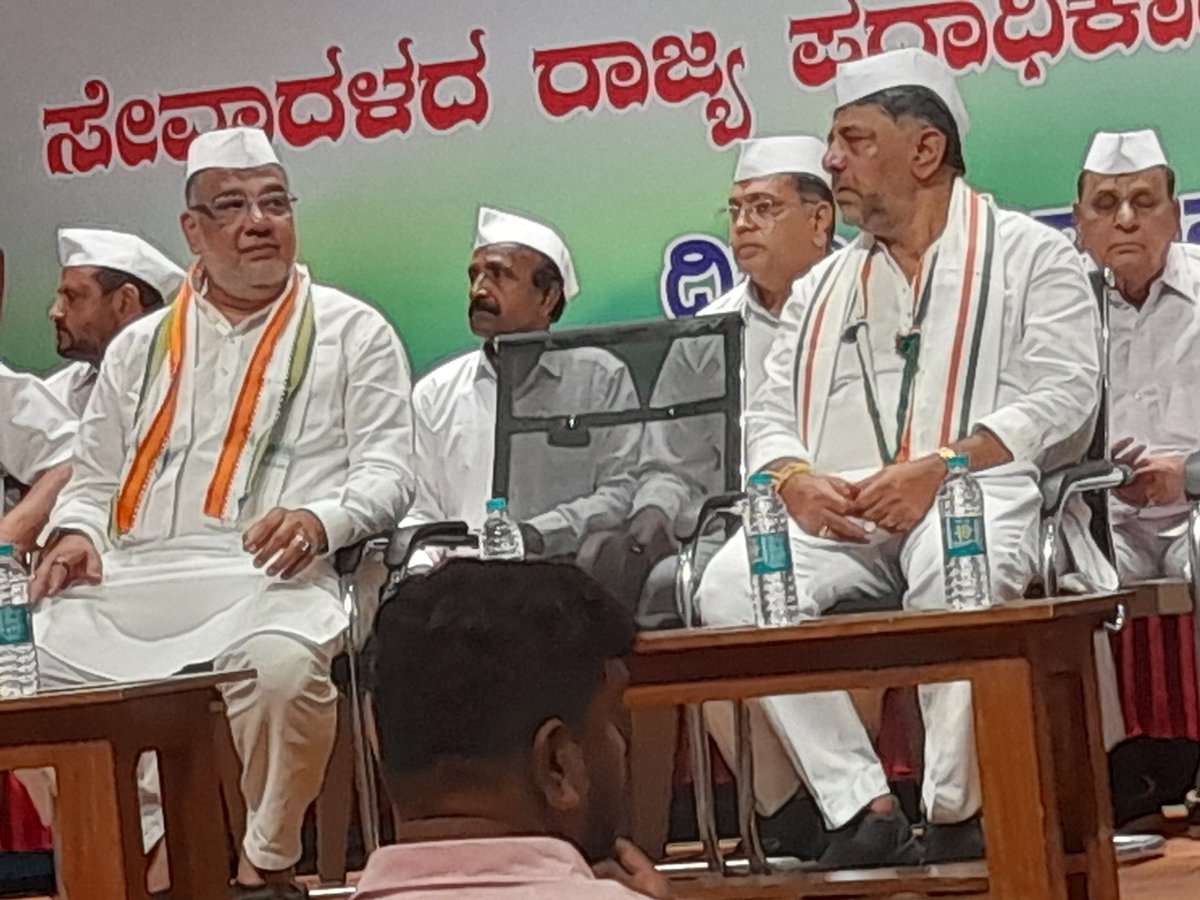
point(376, 116)
point(670, 54)
point(719, 111)
point(1034, 51)
point(324, 87)
point(1170, 22)
point(443, 116)
point(79, 119)
point(251, 108)
point(1098, 26)
point(963, 42)
point(137, 119)
point(626, 82)
point(813, 62)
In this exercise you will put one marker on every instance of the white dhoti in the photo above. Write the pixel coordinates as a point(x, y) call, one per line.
point(1146, 548)
point(823, 740)
point(160, 609)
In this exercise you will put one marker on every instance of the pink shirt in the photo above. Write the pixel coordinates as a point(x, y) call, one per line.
point(529, 868)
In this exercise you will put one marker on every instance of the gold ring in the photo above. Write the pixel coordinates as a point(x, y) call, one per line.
point(825, 531)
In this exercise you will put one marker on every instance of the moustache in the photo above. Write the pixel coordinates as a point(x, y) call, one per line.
point(483, 304)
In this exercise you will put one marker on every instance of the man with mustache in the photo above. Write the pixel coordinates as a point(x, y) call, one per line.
point(1127, 216)
point(521, 276)
point(235, 440)
point(948, 327)
point(109, 279)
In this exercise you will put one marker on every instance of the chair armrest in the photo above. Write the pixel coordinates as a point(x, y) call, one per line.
point(404, 541)
point(1191, 477)
point(348, 558)
point(692, 522)
point(1096, 475)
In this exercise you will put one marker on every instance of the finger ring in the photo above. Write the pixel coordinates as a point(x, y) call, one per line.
point(825, 531)
point(59, 562)
point(302, 542)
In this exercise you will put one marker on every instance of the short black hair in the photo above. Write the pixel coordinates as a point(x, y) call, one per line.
point(546, 276)
point(111, 280)
point(1170, 182)
point(813, 188)
point(921, 103)
point(470, 659)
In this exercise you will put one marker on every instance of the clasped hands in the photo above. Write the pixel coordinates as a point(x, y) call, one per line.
point(895, 498)
point(283, 540)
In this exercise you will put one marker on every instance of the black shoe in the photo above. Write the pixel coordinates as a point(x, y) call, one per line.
point(872, 841)
point(292, 891)
point(796, 830)
point(960, 842)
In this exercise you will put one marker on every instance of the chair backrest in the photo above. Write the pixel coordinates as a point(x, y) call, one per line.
point(587, 417)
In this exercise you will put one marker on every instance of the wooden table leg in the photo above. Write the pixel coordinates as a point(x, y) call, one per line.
point(195, 826)
point(651, 776)
point(87, 823)
point(1024, 846)
point(125, 769)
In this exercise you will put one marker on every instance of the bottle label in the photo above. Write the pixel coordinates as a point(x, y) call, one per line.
point(769, 553)
point(15, 625)
point(963, 536)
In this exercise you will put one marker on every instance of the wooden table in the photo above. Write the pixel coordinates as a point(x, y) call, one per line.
point(92, 736)
point(1031, 664)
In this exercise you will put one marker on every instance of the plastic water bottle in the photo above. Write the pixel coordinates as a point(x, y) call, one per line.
point(501, 535)
point(18, 659)
point(964, 538)
point(770, 549)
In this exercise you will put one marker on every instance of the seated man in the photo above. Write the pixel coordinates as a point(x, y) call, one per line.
point(498, 695)
point(109, 279)
point(1128, 220)
point(948, 327)
point(235, 439)
point(521, 278)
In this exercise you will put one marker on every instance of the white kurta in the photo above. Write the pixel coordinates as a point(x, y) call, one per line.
point(1154, 370)
point(73, 385)
point(178, 587)
point(565, 493)
point(38, 431)
point(1040, 353)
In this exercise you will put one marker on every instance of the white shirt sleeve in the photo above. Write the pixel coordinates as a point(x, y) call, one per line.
point(772, 431)
point(1055, 372)
point(40, 430)
point(378, 488)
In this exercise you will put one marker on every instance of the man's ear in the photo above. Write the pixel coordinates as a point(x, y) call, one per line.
point(551, 298)
point(189, 221)
point(127, 303)
point(559, 772)
point(929, 152)
point(824, 217)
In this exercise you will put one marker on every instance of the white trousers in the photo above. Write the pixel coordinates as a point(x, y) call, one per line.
point(283, 724)
point(1150, 548)
point(819, 739)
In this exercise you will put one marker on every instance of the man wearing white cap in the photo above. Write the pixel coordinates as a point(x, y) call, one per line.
point(949, 327)
point(521, 277)
point(234, 440)
point(109, 278)
point(1127, 217)
point(781, 222)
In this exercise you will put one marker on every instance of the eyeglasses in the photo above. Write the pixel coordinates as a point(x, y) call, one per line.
point(229, 208)
point(758, 212)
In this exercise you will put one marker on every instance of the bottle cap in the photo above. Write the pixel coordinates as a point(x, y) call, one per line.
point(6, 550)
point(497, 503)
point(762, 478)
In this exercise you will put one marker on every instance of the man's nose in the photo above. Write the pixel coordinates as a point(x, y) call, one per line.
point(1126, 217)
point(55, 310)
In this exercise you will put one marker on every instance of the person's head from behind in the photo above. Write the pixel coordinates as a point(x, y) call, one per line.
point(498, 692)
point(897, 132)
point(108, 279)
point(520, 275)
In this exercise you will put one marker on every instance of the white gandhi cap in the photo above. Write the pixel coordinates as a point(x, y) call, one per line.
point(907, 67)
point(1123, 152)
point(230, 148)
point(123, 252)
point(499, 227)
point(792, 155)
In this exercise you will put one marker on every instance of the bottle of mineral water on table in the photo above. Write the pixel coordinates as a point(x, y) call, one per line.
point(964, 538)
point(501, 534)
point(771, 577)
point(18, 658)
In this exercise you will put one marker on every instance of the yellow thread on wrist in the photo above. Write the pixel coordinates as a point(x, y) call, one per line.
point(796, 468)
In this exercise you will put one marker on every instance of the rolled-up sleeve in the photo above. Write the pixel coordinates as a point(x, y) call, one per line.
point(40, 430)
point(1053, 377)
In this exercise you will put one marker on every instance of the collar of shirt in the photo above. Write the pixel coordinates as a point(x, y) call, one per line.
point(221, 324)
point(450, 864)
point(549, 362)
point(1178, 278)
